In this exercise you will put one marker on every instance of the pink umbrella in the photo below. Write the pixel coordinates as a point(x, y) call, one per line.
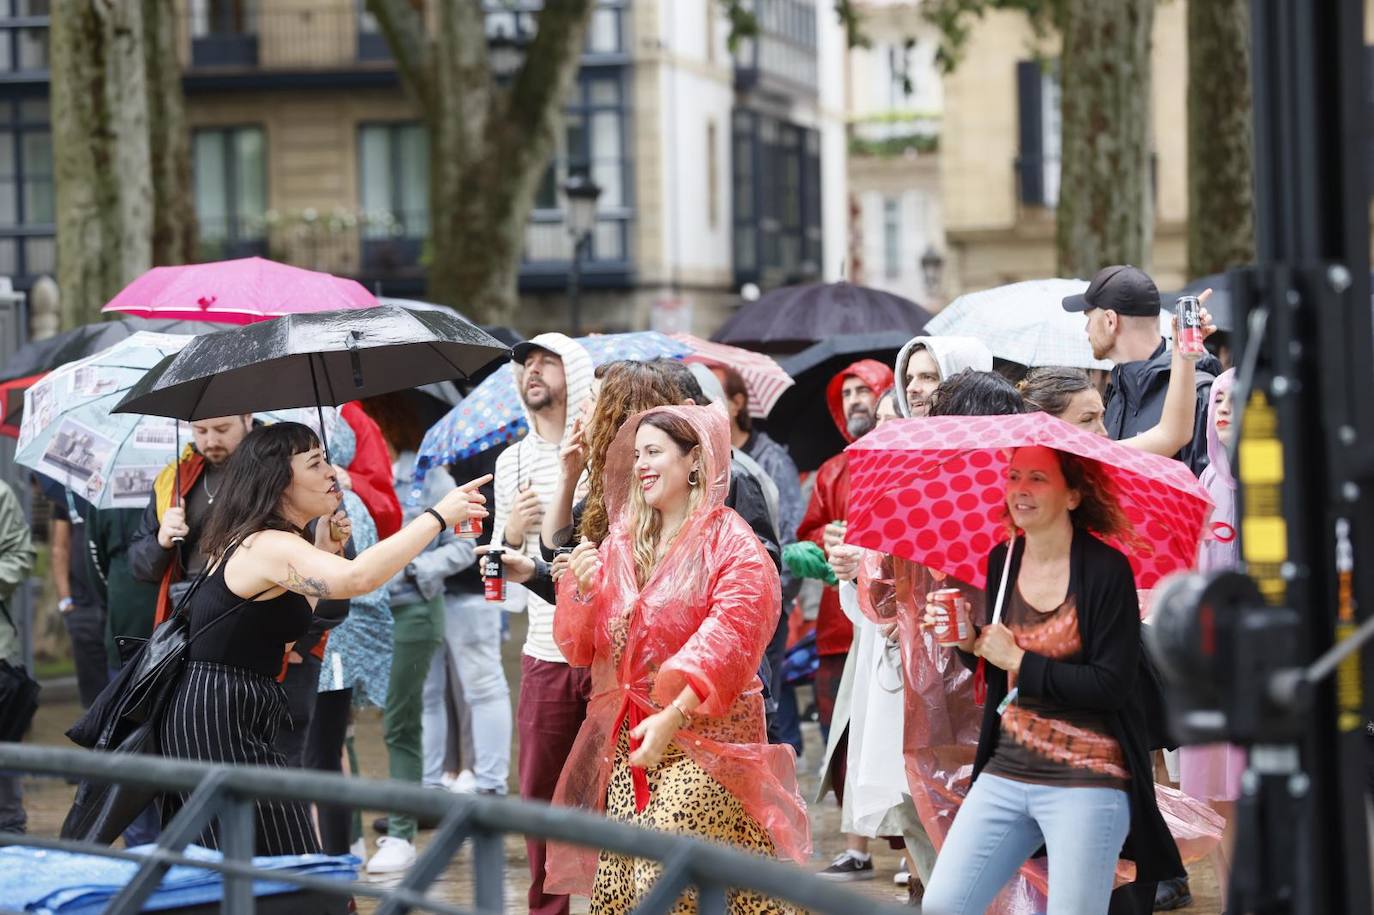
point(932, 490)
point(237, 292)
point(762, 375)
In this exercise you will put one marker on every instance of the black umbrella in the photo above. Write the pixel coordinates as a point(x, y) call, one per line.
point(506, 335)
point(301, 360)
point(790, 319)
point(801, 418)
point(47, 354)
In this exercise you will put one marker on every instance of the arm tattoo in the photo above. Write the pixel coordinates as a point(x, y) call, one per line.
point(307, 586)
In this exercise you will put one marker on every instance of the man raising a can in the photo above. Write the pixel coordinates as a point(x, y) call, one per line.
point(1122, 306)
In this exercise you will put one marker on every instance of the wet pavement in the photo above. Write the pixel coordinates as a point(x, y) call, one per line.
point(47, 802)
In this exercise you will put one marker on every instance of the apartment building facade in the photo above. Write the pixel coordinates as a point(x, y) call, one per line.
point(716, 167)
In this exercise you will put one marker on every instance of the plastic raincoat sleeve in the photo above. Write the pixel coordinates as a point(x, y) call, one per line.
point(574, 620)
point(743, 605)
point(16, 546)
point(1106, 677)
point(884, 579)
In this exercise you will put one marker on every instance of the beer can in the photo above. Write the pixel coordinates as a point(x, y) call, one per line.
point(952, 624)
point(1188, 334)
point(471, 528)
point(494, 576)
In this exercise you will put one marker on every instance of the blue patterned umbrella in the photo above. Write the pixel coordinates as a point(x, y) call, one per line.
point(492, 415)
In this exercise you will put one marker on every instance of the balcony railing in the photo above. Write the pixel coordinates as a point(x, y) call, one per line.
point(299, 39)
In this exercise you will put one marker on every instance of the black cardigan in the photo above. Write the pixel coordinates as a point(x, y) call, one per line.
point(1112, 679)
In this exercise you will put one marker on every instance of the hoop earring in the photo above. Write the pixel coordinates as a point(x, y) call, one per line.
point(692, 478)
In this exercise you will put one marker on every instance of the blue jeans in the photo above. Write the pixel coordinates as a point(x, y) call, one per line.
point(1001, 824)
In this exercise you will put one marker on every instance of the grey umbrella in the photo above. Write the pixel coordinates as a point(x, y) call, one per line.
point(301, 360)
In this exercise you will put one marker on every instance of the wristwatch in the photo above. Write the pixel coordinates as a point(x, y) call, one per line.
point(65, 605)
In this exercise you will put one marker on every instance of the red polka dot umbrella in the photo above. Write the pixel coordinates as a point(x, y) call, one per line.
point(932, 490)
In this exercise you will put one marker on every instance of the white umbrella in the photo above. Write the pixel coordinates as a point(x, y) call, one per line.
point(1026, 323)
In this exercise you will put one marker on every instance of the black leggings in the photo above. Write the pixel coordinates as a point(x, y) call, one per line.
point(324, 743)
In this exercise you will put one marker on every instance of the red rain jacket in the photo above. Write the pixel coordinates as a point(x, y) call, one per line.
point(830, 502)
point(371, 471)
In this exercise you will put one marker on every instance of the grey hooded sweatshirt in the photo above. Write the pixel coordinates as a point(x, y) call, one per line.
point(952, 354)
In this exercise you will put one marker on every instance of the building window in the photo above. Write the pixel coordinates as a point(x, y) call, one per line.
point(27, 246)
point(892, 237)
point(1037, 166)
point(393, 169)
point(24, 36)
point(785, 47)
point(230, 168)
point(593, 143)
point(777, 197)
point(224, 33)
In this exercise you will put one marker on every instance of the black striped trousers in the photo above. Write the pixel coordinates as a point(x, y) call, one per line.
point(228, 714)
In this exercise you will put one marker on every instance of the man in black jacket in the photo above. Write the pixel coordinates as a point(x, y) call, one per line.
point(1122, 307)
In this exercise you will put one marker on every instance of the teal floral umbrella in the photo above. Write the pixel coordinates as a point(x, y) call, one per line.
point(109, 459)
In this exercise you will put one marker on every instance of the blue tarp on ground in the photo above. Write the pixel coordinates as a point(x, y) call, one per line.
point(45, 881)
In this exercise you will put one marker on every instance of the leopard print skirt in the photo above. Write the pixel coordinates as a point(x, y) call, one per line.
point(683, 799)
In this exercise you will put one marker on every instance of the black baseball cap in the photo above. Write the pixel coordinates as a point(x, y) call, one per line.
point(1124, 289)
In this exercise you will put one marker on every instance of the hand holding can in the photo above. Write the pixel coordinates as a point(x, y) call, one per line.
point(1188, 327)
point(947, 614)
point(494, 576)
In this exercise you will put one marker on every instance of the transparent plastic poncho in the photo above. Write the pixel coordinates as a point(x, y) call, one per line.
point(703, 619)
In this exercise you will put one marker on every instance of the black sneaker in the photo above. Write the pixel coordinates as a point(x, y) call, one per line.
point(1172, 894)
point(847, 868)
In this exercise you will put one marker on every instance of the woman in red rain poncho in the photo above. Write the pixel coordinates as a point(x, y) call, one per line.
point(672, 613)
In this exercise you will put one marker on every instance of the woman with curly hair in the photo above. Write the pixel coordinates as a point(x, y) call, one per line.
point(1063, 758)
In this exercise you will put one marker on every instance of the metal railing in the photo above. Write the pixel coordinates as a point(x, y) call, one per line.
point(227, 793)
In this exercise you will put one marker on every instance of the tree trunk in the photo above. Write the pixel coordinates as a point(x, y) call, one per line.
point(1221, 226)
point(174, 211)
point(100, 148)
point(488, 144)
point(1106, 206)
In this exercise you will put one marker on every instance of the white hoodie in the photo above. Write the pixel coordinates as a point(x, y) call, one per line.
point(533, 461)
point(952, 354)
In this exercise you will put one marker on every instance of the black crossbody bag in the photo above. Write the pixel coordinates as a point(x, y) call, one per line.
point(18, 694)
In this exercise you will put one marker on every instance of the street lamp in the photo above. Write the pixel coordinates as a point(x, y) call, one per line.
point(580, 193)
point(506, 51)
point(932, 266)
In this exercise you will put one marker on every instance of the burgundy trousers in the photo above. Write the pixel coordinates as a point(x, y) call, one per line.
point(552, 707)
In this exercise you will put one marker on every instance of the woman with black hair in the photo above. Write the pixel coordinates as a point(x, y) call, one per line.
point(257, 598)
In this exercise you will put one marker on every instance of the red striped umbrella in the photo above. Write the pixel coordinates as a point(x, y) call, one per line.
point(762, 375)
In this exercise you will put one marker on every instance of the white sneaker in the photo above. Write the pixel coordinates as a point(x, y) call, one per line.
point(464, 783)
point(359, 849)
point(393, 856)
point(903, 876)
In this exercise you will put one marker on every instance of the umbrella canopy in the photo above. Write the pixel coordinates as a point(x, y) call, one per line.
point(70, 436)
point(44, 355)
point(302, 360)
point(1024, 323)
point(933, 490)
point(801, 418)
point(792, 318)
point(762, 375)
point(501, 332)
point(33, 360)
point(237, 292)
point(492, 414)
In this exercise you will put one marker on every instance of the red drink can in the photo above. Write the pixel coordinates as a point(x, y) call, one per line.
point(952, 624)
point(494, 576)
point(471, 528)
point(1188, 334)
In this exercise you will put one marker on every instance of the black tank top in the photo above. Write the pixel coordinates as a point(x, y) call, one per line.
point(257, 637)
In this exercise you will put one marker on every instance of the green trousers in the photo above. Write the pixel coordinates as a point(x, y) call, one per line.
point(417, 632)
